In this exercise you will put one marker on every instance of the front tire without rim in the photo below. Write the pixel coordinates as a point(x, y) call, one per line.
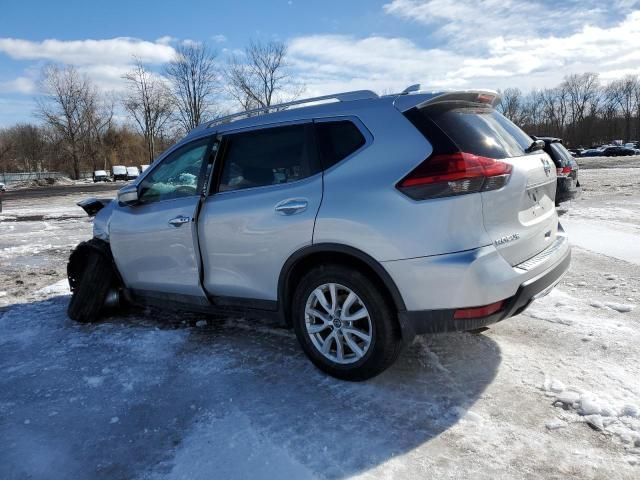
point(90, 293)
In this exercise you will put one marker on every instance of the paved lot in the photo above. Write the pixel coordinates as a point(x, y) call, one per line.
point(552, 393)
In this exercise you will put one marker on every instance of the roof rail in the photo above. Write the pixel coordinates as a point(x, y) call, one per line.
point(341, 97)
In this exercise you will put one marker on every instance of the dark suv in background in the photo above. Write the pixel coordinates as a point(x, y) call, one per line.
point(566, 168)
point(618, 151)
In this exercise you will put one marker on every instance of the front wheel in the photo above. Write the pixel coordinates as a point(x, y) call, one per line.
point(91, 289)
point(344, 324)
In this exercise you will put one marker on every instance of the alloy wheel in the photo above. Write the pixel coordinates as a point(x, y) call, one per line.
point(338, 323)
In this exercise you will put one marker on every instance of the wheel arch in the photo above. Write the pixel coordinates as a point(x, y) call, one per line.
point(302, 260)
point(77, 260)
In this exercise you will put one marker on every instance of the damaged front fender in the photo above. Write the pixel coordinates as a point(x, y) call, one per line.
point(101, 209)
point(93, 205)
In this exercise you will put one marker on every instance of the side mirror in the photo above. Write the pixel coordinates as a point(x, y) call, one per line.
point(128, 195)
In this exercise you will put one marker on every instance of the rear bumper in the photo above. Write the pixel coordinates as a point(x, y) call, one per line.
point(438, 321)
point(568, 189)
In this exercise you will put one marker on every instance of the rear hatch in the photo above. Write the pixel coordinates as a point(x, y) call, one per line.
point(566, 165)
point(517, 188)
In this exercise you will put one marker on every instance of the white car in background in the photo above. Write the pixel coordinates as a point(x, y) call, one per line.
point(132, 173)
point(3, 187)
point(119, 173)
point(143, 168)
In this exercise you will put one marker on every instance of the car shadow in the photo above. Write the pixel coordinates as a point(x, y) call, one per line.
point(150, 394)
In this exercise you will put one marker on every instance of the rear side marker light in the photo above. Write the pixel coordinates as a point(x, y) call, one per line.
point(563, 172)
point(478, 312)
point(458, 173)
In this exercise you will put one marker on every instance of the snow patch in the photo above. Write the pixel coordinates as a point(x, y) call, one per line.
point(241, 453)
point(619, 307)
point(59, 288)
point(94, 381)
point(607, 412)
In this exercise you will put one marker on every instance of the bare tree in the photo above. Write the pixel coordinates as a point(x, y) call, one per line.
point(99, 118)
point(581, 90)
point(195, 81)
point(511, 104)
point(28, 144)
point(63, 108)
point(149, 104)
point(6, 146)
point(258, 79)
point(623, 94)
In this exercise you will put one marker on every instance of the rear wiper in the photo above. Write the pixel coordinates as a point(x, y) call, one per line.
point(535, 146)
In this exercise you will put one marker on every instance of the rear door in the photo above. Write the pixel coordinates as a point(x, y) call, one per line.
point(520, 217)
point(262, 207)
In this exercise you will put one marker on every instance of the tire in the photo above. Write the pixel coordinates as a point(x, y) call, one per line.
point(381, 322)
point(89, 295)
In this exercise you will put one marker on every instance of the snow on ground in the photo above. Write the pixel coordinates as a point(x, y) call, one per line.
point(552, 393)
point(607, 218)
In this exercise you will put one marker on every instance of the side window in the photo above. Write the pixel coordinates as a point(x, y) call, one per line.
point(267, 157)
point(337, 140)
point(177, 175)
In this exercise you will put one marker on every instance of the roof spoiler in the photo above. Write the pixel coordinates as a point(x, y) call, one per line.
point(470, 97)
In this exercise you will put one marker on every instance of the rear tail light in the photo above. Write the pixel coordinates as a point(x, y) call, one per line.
point(478, 312)
point(563, 171)
point(458, 173)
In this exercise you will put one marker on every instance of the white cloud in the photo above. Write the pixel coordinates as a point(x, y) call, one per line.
point(23, 85)
point(329, 63)
point(166, 40)
point(219, 38)
point(120, 50)
point(103, 61)
point(469, 22)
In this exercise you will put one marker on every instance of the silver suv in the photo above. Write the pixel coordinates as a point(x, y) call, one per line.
point(360, 221)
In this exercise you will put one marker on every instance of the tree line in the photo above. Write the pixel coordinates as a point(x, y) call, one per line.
point(581, 110)
point(79, 129)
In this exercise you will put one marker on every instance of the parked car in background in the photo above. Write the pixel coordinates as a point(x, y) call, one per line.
point(360, 223)
point(631, 145)
point(3, 187)
point(143, 168)
point(132, 173)
point(618, 151)
point(119, 173)
point(566, 169)
point(101, 176)
point(593, 152)
point(576, 152)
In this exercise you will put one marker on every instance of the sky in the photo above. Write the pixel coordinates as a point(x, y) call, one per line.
point(333, 46)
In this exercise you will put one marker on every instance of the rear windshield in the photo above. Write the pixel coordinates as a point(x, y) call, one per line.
point(478, 130)
point(561, 153)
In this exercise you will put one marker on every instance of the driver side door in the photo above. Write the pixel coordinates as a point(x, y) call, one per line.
point(154, 242)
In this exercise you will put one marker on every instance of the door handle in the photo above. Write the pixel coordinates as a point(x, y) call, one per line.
point(179, 221)
point(289, 207)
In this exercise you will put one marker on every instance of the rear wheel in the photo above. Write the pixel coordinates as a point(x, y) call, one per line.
point(91, 290)
point(344, 324)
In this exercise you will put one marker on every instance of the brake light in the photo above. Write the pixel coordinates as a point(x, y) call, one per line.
point(478, 312)
point(458, 173)
point(563, 171)
point(485, 98)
